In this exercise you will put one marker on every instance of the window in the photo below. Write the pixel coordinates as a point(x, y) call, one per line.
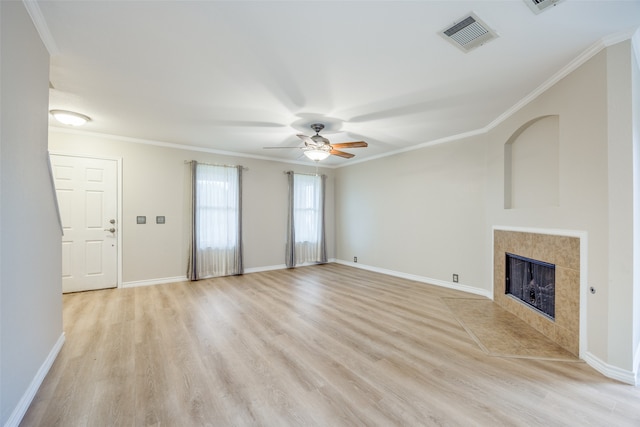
point(307, 208)
point(217, 207)
point(305, 234)
point(216, 245)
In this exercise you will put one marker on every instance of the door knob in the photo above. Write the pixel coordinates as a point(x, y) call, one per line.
point(112, 230)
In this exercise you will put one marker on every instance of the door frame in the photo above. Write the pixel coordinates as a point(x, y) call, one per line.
point(118, 161)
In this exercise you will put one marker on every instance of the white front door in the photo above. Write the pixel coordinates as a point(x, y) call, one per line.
point(87, 191)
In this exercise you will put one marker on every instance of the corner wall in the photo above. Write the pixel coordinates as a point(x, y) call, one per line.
point(419, 213)
point(30, 266)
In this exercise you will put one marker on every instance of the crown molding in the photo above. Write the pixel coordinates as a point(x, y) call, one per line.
point(438, 141)
point(33, 9)
point(185, 147)
point(590, 52)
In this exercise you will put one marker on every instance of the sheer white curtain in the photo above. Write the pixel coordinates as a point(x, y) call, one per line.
point(305, 235)
point(216, 244)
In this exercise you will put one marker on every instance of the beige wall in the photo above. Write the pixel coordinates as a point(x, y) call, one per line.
point(420, 213)
point(30, 266)
point(430, 212)
point(620, 179)
point(154, 182)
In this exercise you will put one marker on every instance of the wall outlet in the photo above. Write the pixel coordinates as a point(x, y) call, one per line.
point(455, 278)
point(355, 259)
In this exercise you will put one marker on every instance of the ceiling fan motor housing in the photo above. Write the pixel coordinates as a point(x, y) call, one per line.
point(317, 127)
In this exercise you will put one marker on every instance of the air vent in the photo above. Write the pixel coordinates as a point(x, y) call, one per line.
point(468, 33)
point(538, 6)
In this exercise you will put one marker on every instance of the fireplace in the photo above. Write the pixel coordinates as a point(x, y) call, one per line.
point(562, 326)
point(532, 282)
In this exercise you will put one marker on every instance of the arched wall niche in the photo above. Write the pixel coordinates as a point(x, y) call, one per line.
point(532, 165)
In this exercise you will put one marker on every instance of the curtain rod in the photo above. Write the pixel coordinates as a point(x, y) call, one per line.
point(213, 164)
point(298, 173)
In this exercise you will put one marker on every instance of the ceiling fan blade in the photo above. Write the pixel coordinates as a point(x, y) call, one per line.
point(307, 140)
point(356, 144)
point(245, 123)
point(341, 154)
point(275, 148)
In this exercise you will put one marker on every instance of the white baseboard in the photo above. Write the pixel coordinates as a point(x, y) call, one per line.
point(21, 409)
point(627, 377)
point(151, 282)
point(442, 283)
point(636, 364)
point(162, 281)
point(265, 268)
point(280, 267)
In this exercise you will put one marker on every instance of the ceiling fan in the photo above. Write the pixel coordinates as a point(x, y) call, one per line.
point(318, 147)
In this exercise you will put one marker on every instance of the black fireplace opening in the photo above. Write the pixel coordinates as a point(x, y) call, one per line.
point(532, 282)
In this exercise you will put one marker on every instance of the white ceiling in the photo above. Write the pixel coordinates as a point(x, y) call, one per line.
point(237, 76)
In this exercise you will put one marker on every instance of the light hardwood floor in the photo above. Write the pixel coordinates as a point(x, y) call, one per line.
point(325, 345)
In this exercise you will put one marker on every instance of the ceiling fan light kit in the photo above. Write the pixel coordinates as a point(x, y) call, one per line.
point(70, 118)
point(316, 154)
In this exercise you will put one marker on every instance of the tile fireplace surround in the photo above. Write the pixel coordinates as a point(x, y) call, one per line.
point(564, 252)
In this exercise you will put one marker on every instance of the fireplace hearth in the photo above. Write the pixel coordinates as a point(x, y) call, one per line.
point(532, 282)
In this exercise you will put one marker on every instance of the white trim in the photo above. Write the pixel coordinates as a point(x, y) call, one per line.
point(422, 279)
point(184, 147)
point(41, 26)
point(281, 267)
point(589, 53)
point(616, 38)
point(151, 282)
point(26, 399)
point(551, 231)
point(265, 268)
point(120, 219)
point(119, 194)
point(584, 262)
point(636, 365)
point(438, 141)
point(627, 377)
point(442, 283)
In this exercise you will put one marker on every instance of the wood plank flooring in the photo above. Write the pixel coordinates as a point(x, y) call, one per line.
point(325, 345)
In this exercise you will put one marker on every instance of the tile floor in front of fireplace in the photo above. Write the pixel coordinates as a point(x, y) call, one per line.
point(500, 333)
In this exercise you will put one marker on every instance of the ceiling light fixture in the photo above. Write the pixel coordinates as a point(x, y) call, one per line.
point(70, 118)
point(316, 154)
